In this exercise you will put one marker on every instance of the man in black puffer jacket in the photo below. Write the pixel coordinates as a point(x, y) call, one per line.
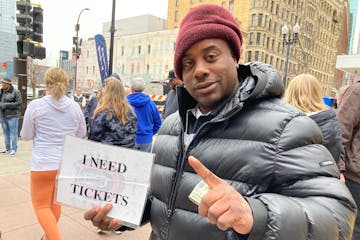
point(269, 175)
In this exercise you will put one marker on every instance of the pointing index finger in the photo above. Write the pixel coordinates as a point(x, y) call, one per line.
point(210, 178)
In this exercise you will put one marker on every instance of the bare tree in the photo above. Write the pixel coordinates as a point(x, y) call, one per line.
point(35, 70)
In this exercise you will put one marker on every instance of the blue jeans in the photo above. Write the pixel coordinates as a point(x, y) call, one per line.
point(10, 131)
point(355, 191)
point(145, 147)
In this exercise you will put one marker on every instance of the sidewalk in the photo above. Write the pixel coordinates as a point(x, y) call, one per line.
point(17, 219)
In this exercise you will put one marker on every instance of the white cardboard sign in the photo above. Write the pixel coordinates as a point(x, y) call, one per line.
point(94, 174)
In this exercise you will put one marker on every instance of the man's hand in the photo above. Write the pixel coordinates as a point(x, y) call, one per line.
point(99, 219)
point(223, 205)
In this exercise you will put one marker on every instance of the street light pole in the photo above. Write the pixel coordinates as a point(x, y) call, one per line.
point(289, 40)
point(77, 51)
point(112, 32)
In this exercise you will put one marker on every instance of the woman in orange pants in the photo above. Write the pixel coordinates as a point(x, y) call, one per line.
point(46, 121)
point(42, 197)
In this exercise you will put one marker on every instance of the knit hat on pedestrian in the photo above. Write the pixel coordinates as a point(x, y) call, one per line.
point(204, 22)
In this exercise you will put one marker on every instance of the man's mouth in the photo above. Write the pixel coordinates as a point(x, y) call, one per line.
point(205, 87)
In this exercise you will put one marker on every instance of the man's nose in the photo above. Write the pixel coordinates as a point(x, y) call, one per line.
point(201, 70)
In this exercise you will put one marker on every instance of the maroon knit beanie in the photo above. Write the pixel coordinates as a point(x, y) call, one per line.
point(203, 22)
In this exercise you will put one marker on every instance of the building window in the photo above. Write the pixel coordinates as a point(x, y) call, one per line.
point(258, 37)
point(147, 69)
point(256, 56)
point(149, 48)
point(251, 38)
point(93, 70)
point(269, 27)
point(260, 19)
point(231, 6)
point(122, 68)
point(87, 70)
point(249, 56)
point(177, 3)
point(176, 17)
point(122, 50)
point(253, 20)
point(223, 4)
point(139, 49)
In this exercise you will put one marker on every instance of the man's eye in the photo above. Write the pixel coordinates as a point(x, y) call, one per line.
point(211, 57)
point(187, 64)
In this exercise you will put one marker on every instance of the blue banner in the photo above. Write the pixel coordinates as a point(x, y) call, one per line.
point(102, 57)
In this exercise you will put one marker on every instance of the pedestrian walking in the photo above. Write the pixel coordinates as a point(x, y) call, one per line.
point(148, 117)
point(47, 121)
point(349, 118)
point(79, 98)
point(10, 105)
point(90, 108)
point(304, 92)
point(259, 161)
point(114, 120)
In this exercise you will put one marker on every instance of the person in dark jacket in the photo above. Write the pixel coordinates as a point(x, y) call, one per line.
point(10, 104)
point(114, 120)
point(171, 103)
point(304, 92)
point(148, 117)
point(349, 118)
point(268, 174)
point(90, 108)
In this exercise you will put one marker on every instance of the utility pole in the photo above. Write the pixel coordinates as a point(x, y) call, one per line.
point(112, 32)
point(77, 49)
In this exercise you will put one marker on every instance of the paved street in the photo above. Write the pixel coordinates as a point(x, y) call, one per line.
point(17, 219)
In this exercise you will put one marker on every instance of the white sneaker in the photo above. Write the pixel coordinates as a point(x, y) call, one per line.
point(12, 153)
point(117, 232)
point(5, 151)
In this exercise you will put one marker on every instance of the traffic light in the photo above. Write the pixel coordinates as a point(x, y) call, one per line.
point(37, 27)
point(25, 48)
point(39, 52)
point(24, 18)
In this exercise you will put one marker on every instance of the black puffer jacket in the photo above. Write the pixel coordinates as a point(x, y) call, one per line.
point(268, 151)
point(331, 131)
point(10, 102)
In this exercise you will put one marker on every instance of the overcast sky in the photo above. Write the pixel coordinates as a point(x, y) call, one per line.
point(61, 16)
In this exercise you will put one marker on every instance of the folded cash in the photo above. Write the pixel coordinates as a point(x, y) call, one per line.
point(198, 192)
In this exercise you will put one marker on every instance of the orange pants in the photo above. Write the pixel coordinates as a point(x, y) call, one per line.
point(42, 197)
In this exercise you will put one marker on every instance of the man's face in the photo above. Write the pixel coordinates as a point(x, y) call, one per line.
point(174, 82)
point(78, 91)
point(209, 71)
point(5, 86)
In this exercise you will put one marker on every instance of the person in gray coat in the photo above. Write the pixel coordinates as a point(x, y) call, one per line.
point(171, 103)
point(10, 104)
point(268, 176)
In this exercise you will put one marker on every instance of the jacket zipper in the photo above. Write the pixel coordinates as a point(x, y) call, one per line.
point(180, 166)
